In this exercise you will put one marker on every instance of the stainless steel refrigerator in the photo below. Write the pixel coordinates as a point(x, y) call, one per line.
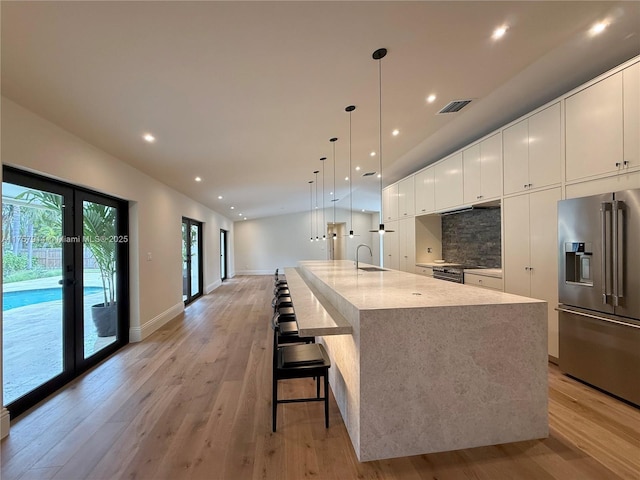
point(599, 291)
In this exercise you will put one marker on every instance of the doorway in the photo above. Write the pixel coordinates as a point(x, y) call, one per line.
point(192, 277)
point(337, 246)
point(65, 284)
point(223, 255)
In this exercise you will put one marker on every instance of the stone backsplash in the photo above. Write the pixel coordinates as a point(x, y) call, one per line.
point(473, 238)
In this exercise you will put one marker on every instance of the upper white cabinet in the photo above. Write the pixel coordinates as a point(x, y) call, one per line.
point(595, 129)
point(532, 151)
point(631, 107)
point(406, 197)
point(425, 197)
point(390, 203)
point(448, 182)
point(482, 166)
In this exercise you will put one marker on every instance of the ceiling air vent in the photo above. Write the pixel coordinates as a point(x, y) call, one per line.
point(368, 174)
point(454, 106)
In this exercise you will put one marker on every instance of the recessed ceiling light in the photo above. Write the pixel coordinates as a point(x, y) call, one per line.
point(346, 179)
point(149, 138)
point(198, 179)
point(395, 133)
point(239, 214)
point(598, 28)
point(499, 32)
point(245, 218)
point(379, 175)
point(357, 169)
point(219, 197)
point(431, 98)
point(372, 154)
point(363, 209)
point(232, 208)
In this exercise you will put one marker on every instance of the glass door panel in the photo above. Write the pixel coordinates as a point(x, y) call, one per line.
point(191, 260)
point(32, 294)
point(223, 254)
point(196, 288)
point(99, 274)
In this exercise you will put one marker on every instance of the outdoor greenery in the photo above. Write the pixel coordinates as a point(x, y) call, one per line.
point(40, 226)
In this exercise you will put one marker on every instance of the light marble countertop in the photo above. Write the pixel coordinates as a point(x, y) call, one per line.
point(315, 316)
point(392, 289)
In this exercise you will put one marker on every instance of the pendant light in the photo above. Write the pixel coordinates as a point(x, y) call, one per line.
point(350, 109)
point(316, 174)
point(379, 55)
point(335, 194)
point(324, 223)
point(311, 207)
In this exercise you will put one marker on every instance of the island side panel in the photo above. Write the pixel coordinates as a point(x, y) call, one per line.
point(447, 378)
point(344, 351)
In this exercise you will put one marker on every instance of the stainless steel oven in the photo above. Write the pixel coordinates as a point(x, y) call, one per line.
point(449, 273)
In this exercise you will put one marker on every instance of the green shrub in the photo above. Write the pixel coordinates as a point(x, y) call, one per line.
point(13, 263)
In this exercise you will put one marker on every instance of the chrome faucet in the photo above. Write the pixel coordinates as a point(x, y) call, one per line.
point(358, 249)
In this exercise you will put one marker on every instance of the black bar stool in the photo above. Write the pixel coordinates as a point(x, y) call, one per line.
point(299, 361)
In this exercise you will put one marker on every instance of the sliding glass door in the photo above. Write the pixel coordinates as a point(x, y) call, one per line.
point(192, 277)
point(223, 255)
point(64, 262)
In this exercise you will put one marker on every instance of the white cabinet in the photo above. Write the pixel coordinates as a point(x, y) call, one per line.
point(390, 203)
point(530, 260)
point(390, 246)
point(426, 271)
point(594, 129)
point(448, 182)
point(425, 198)
point(482, 170)
point(631, 107)
point(406, 244)
point(532, 151)
point(406, 197)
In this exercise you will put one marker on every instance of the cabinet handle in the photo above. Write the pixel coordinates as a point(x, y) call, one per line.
point(618, 164)
point(479, 281)
point(626, 163)
point(530, 185)
point(424, 210)
point(525, 185)
point(479, 197)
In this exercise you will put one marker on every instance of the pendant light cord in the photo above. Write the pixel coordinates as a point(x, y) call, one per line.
point(350, 175)
point(380, 129)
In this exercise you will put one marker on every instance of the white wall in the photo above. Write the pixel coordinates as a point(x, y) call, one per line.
point(35, 144)
point(264, 244)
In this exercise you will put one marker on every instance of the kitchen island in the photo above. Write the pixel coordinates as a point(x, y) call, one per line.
point(430, 365)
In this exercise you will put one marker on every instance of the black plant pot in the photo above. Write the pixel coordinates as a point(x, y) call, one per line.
point(104, 318)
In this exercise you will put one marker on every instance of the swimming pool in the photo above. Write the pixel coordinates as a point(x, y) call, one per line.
point(22, 298)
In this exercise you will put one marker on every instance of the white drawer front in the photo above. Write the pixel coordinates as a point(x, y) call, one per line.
point(482, 281)
point(427, 271)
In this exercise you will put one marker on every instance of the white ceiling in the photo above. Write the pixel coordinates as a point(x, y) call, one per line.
point(247, 94)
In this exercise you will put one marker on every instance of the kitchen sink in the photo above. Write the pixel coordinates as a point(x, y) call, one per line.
point(372, 269)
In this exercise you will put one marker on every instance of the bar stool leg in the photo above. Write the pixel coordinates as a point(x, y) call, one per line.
point(326, 400)
point(275, 402)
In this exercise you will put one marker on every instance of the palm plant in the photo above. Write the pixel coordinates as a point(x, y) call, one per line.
point(99, 231)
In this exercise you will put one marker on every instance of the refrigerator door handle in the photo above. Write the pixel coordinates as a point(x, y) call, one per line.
point(605, 267)
point(618, 251)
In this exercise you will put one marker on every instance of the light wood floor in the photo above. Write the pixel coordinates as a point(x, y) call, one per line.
point(193, 402)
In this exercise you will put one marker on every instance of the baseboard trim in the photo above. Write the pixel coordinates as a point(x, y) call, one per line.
point(137, 334)
point(553, 359)
point(5, 423)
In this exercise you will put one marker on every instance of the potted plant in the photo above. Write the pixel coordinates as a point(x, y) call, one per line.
point(99, 232)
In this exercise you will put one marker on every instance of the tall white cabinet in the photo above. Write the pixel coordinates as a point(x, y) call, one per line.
point(391, 246)
point(407, 244)
point(530, 263)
